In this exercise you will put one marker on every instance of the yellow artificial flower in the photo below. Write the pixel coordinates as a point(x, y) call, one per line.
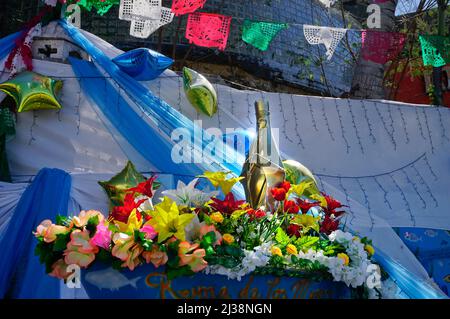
point(306, 221)
point(301, 188)
point(132, 224)
point(219, 179)
point(228, 238)
point(276, 251)
point(169, 222)
point(370, 250)
point(345, 258)
point(291, 249)
point(217, 217)
point(165, 204)
point(238, 213)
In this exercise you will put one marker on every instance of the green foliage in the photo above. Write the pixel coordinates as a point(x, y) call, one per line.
point(228, 256)
point(61, 242)
point(139, 237)
point(306, 242)
point(282, 238)
point(207, 243)
point(63, 220)
point(46, 255)
point(91, 225)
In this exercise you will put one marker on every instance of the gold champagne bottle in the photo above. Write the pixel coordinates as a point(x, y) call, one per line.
point(263, 168)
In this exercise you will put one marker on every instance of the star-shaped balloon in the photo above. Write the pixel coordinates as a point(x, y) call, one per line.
point(33, 91)
point(115, 188)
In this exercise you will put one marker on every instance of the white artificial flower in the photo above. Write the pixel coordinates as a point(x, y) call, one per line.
point(192, 230)
point(145, 206)
point(188, 194)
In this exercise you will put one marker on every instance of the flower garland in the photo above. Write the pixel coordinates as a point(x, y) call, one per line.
point(190, 230)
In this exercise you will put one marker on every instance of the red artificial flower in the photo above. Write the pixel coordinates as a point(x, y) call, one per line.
point(285, 185)
point(228, 205)
point(294, 230)
point(329, 225)
point(255, 214)
point(144, 188)
point(332, 205)
point(280, 190)
point(278, 193)
point(121, 213)
point(290, 207)
point(305, 205)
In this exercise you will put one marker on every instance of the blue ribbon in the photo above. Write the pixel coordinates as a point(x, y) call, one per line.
point(21, 275)
point(8, 43)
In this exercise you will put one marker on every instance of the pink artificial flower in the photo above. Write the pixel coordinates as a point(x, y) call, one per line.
point(79, 250)
point(126, 250)
point(149, 231)
point(82, 219)
point(192, 256)
point(122, 245)
point(155, 256)
point(133, 260)
point(102, 237)
point(59, 269)
point(48, 231)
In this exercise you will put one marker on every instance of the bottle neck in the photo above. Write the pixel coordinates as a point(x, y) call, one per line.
point(262, 115)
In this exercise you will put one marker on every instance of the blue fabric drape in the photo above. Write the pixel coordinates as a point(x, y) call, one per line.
point(412, 286)
point(7, 44)
point(166, 117)
point(21, 275)
point(143, 64)
point(144, 138)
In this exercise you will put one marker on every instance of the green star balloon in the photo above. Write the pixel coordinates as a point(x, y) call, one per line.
point(115, 188)
point(33, 91)
point(200, 92)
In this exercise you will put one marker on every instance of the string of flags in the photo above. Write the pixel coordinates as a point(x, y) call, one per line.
point(212, 30)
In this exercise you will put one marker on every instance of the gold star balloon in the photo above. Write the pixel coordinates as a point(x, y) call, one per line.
point(33, 91)
point(115, 188)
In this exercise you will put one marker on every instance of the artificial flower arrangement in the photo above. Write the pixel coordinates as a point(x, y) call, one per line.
point(188, 231)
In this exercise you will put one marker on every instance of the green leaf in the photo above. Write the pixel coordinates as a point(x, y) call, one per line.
point(104, 256)
point(91, 225)
point(234, 251)
point(61, 242)
point(281, 237)
point(63, 220)
point(306, 241)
